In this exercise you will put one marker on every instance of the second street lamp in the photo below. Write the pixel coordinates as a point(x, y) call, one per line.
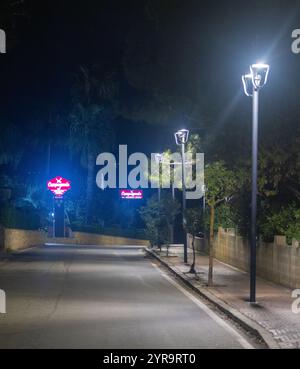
point(159, 160)
point(252, 83)
point(181, 138)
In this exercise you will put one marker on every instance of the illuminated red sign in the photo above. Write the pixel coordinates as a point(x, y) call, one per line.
point(131, 194)
point(58, 186)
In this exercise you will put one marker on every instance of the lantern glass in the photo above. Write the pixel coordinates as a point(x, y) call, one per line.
point(247, 83)
point(182, 136)
point(259, 74)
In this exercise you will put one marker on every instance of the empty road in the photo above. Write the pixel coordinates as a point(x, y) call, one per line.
point(98, 297)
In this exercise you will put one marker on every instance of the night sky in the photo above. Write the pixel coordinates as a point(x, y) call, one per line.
point(190, 50)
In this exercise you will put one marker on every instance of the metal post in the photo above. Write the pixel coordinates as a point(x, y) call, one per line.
point(204, 203)
point(59, 214)
point(172, 180)
point(183, 201)
point(254, 197)
point(159, 177)
point(53, 217)
point(173, 197)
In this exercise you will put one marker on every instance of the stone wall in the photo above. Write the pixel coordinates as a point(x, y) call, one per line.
point(277, 261)
point(201, 244)
point(2, 230)
point(98, 239)
point(18, 239)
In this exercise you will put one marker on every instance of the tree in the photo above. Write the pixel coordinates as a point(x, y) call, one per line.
point(48, 130)
point(284, 221)
point(169, 209)
point(91, 122)
point(193, 225)
point(90, 131)
point(159, 217)
point(11, 148)
point(221, 184)
point(278, 170)
point(150, 215)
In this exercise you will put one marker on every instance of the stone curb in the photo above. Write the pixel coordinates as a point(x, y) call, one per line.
point(234, 314)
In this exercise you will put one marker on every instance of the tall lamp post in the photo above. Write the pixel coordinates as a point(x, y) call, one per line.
point(181, 138)
point(252, 83)
point(159, 160)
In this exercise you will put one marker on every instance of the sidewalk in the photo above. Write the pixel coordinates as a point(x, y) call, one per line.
point(231, 286)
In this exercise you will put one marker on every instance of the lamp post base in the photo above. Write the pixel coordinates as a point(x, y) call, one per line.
point(254, 303)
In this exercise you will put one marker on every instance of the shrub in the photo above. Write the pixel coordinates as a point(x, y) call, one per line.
point(159, 217)
point(285, 222)
point(22, 218)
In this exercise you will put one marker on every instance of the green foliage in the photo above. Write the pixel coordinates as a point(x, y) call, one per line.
point(194, 221)
point(221, 183)
point(195, 144)
point(279, 172)
point(150, 216)
point(20, 218)
point(158, 218)
point(90, 130)
point(284, 221)
point(225, 216)
point(11, 145)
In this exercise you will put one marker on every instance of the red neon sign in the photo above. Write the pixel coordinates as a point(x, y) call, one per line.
point(131, 194)
point(58, 186)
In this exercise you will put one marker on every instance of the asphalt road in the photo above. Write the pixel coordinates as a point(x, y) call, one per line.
point(114, 297)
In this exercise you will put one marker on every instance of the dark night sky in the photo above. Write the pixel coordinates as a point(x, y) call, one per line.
point(197, 49)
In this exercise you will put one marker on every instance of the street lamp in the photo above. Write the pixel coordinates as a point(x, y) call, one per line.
point(252, 83)
point(203, 199)
point(159, 159)
point(181, 138)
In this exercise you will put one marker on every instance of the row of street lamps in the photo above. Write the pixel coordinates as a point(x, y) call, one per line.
point(252, 83)
point(181, 138)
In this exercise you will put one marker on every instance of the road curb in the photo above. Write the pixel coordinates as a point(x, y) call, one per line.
point(4, 257)
point(234, 314)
